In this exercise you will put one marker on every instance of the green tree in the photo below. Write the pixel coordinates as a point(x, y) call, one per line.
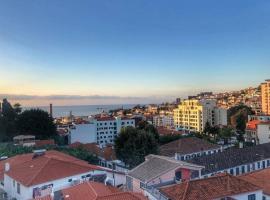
point(225, 134)
point(17, 108)
point(36, 122)
point(207, 128)
point(132, 145)
point(7, 122)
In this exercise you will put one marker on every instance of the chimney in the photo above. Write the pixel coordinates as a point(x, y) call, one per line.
point(7, 167)
point(51, 110)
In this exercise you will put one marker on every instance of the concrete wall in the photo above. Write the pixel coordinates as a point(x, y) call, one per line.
point(84, 133)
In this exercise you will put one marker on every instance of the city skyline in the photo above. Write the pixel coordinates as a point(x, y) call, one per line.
point(129, 51)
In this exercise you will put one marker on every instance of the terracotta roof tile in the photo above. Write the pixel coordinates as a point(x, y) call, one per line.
point(98, 191)
point(260, 178)
point(186, 146)
point(51, 166)
point(210, 188)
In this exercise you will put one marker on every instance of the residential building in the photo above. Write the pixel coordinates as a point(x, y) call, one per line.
point(261, 179)
point(100, 129)
point(98, 191)
point(257, 132)
point(235, 161)
point(188, 148)
point(263, 118)
point(163, 121)
point(221, 187)
point(265, 95)
point(192, 115)
point(42, 173)
point(158, 171)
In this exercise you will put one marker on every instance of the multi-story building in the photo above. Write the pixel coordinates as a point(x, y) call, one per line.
point(258, 130)
point(163, 120)
point(101, 130)
point(193, 114)
point(265, 93)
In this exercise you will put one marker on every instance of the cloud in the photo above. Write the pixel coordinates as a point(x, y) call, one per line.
point(35, 100)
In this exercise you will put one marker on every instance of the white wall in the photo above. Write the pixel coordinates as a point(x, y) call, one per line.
point(244, 196)
point(84, 133)
point(263, 133)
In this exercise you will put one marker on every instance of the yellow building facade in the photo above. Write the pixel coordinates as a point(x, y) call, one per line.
point(265, 97)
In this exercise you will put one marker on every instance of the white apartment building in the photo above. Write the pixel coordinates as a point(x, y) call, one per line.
point(164, 121)
point(192, 115)
point(100, 130)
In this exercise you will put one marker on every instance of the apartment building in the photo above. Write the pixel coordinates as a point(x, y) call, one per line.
point(192, 115)
point(163, 120)
point(258, 129)
point(100, 129)
point(265, 93)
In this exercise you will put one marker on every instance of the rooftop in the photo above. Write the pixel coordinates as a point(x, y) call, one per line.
point(232, 157)
point(260, 178)
point(186, 146)
point(154, 166)
point(98, 191)
point(31, 170)
point(223, 185)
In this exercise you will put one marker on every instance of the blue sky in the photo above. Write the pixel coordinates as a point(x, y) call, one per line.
point(124, 48)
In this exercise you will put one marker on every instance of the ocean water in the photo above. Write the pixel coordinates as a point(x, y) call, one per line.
point(81, 110)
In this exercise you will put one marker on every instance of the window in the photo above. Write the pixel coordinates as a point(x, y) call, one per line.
point(237, 171)
point(142, 185)
point(13, 183)
point(248, 168)
point(231, 171)
point(252, 197)
point(258, 165)
point(264, 198)
point(18, 188)
point(69, 180)
point(263, 164)
point(243, 169)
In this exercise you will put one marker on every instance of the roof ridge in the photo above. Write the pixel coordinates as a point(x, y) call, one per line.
point(186, 189)
point(89, 183)
point(33, 177)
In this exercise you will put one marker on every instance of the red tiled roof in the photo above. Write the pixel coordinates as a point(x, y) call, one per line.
point(51, 166)
point(98, 191)
point(165, 131)
point(210, 188)
point(252, 125)
point(260, 178)
point(107, 152)
point(40, 143)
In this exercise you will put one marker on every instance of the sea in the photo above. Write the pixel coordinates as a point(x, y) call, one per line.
point(81, 110)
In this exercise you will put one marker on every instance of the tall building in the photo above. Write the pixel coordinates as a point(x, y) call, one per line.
point(192, 115)
point(265, 93)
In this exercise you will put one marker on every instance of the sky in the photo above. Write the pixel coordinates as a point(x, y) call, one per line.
point(126, 51)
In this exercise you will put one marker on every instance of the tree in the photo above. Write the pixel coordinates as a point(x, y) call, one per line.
point(132, 145)
point(207, 128)
point(17, 108)
point(225, 134)
point(7, 122)
point(241, 123)
point(36, 122)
